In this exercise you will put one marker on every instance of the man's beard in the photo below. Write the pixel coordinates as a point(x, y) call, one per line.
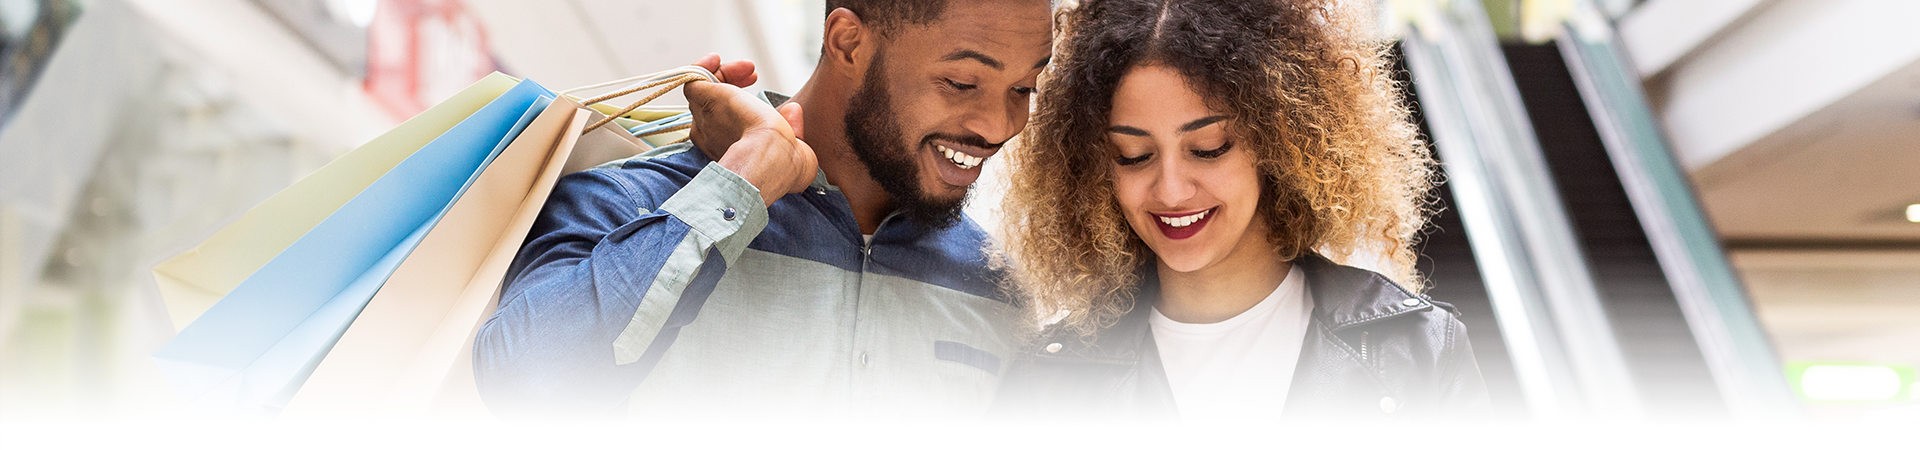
point(873, 130)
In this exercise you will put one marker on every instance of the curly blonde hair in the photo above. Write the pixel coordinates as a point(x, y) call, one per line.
point(1309, 93)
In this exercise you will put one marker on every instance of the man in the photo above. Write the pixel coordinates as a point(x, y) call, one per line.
point(676, 285)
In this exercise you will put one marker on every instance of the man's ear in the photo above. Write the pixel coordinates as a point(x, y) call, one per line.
point(844, 45)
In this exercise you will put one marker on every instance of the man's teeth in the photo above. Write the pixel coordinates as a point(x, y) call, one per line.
point(1184, 221)
point(965, 161)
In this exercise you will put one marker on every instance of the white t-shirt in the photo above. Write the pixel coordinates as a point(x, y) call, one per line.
point(1239, 368)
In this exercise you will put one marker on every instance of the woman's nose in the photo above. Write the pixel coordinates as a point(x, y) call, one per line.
point(1173, 185)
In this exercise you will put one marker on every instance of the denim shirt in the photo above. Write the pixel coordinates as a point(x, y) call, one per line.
point(659, 286)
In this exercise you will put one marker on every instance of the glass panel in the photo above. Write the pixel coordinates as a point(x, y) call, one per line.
point(1716, 308)
point(1565, 354)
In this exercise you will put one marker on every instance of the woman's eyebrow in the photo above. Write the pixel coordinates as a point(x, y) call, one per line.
point(1190, 126)
point(1202, 123)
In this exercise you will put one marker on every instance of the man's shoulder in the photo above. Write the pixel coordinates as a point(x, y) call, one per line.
point(678, 157)
point(679, 161)
point(656, 173)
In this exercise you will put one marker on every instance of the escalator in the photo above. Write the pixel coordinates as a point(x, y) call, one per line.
point(1568, 238)
point(1669, 371)
point(1453, 277)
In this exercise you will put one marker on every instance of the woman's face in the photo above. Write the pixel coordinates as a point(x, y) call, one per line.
point(1184, 186)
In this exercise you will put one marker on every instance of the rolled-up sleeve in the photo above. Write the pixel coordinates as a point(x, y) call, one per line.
point(614, 265)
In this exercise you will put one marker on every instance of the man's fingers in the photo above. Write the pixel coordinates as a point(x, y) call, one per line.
point(738, 73)
point(791, 111)
point(804, 168)
point(806, 151)
point(701, 94)
point(727, 103)
point(711, 62)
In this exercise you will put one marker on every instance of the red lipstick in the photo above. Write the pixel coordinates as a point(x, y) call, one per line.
point(1178, 233)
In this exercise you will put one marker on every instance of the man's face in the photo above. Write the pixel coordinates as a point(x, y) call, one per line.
point(940, 99)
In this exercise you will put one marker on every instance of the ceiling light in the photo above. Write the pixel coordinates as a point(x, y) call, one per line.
point(1850, 382)
point(359, 13)
point(1913, 213)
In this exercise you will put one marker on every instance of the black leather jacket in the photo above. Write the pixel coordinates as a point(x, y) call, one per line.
point(1372, 349)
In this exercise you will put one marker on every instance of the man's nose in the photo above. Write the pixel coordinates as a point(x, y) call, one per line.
point(997, 120)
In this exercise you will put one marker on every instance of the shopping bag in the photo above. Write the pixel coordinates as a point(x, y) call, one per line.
point(637, 128)
point(409, 353)
point(401, 348)
point(603, 144)
point(192, 281)
point(251, 350)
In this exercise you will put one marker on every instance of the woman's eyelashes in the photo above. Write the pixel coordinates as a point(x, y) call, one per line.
point(1202, 154)
point(1215, 153)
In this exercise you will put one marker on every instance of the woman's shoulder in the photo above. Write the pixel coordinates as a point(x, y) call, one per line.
point(1375, 329)
point(1350, 300)
point(1347, 295)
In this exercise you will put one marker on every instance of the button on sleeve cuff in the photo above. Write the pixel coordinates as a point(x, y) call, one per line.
point(721, 206)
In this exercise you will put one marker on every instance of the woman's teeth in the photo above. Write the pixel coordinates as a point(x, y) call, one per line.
point(1183, 221)
point(965, 161)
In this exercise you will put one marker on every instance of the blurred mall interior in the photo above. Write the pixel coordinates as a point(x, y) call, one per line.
point(1653, 208)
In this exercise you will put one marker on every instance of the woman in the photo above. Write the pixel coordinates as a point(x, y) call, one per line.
point(1193, 171)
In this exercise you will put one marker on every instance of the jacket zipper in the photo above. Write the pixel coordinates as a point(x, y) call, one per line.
point(1363, 349)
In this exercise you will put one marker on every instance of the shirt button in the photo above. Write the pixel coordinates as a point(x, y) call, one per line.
point(1053, 348)
point(863, 358)
point(728, 213)
point(1387, 405)
point(1411, 302)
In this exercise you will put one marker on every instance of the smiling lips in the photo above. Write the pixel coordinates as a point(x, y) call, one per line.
point(962, 168)
point(1183, 226)
point(963, 160)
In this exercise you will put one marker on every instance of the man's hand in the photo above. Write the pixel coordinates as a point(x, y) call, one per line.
point(721, 115)
point(738, 73)
point(748, 136)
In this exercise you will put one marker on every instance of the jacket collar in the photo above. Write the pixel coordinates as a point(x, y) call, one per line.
point(1344, 296)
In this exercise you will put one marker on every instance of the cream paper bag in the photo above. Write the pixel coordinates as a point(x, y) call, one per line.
point(395, 357)
point(409, 353)
point(193, 281)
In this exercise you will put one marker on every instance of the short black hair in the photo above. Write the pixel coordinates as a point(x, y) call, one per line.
point(888, 15)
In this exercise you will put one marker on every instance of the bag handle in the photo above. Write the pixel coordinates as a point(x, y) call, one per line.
point(666, 80)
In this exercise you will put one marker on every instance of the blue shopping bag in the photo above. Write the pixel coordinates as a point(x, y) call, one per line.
point(251, 351)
